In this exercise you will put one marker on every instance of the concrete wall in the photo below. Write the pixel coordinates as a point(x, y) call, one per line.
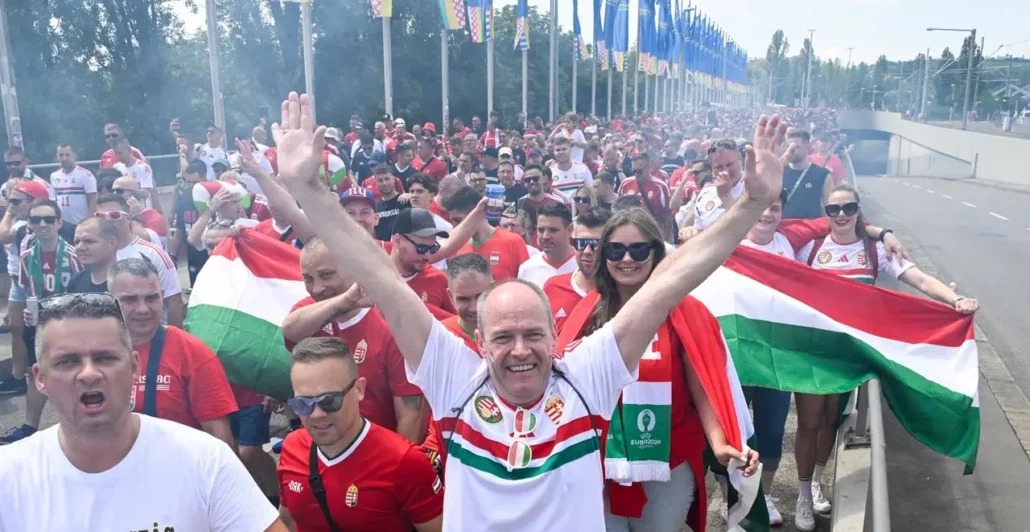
point(922, 149)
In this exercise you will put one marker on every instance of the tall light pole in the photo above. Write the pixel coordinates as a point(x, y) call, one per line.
point(806, 91)
point(309, 61)
point(212, 50)
point(969, 70)
point(7, 89)
point(847, 80)
point(926, 85)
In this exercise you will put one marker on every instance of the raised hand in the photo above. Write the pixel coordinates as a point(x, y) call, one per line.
point(298, 144)
point(247, 161)
point(763, 171)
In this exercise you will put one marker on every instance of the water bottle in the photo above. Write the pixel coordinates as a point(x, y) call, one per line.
point(495, 203)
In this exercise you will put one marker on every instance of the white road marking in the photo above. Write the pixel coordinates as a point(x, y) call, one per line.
point(947, 196)
point(967, 204)
point(905, 183)
point(930, 191)
point(916, 186)
point(998, 216)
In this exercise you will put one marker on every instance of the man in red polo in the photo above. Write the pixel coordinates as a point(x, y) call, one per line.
point(414, 241)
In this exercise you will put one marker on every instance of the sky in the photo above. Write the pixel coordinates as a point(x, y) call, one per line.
point(895, 28)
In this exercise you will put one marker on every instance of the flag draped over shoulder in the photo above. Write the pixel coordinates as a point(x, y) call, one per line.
point(238, 304)
point(793, 328)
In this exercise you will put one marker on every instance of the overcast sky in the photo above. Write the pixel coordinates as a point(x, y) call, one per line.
point(895, 28)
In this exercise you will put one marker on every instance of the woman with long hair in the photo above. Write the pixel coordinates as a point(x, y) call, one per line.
point(847, 251)
point(584, 199)
point(668, 404)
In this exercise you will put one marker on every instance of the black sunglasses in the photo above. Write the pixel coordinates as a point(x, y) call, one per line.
point(15, 201)
point(14, 163)
point(530, 179)
point(50, 220)
point(638, 251)
point(849, 209)
point(582, 199)
point(422, 249)
point(328, 402)
point(122, 191)
point(582, 243)
point(112, 135)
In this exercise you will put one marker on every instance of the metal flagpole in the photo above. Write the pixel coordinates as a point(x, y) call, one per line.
point(490, 73)
point(575, 62)
point(593, 82)
point(525, 85)
point(647, 90)
point(444, 74)
point(387, 67)
point(657, 84)
point(8, 92)
point(636, 80)
point(552, 82)
point(212, 50)
point(611, 66)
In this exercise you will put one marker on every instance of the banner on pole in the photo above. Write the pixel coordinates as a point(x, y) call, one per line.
point(452, 12)
point(382, 8)
point(522, 25)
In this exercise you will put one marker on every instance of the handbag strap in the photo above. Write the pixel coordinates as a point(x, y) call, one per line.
point(797, 184)
point(318, 489)
point(153, 363)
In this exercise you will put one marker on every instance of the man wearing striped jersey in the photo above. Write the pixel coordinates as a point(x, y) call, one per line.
point(75, 187)
point(568, 175)
point(523, 428)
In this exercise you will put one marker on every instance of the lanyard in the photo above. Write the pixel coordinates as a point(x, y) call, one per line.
point(465, 330)
point(36, 268)
point(798, 183)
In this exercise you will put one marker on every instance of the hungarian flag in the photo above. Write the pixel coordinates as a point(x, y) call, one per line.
point(205, 190)
point(792, 328)
point(238, 304)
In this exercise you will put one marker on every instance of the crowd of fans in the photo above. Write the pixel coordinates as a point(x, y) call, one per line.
point(579, 209)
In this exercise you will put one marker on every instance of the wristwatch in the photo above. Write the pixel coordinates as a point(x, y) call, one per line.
point(883, 234)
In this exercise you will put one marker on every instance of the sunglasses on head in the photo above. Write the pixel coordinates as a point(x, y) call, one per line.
point(849, 209)
point(329, 402)
point(36, 220)
point(113, 215)
point(422, 249)
point(582, 243)
point(638, 251)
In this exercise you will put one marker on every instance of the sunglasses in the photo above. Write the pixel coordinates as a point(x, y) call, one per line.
point(15, 201)
point(329, 402)
point(638, 251)
point(112, 135)
point(582, 243)
point(520, 453)
point(36, 220)
point(113, 215)
point(14, 163)
point(422, 249)
point(849, 209)
point(530, 179)
point(123, 191)
point(583, 200)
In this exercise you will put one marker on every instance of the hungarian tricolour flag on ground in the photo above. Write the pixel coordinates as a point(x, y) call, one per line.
point(238, 304)
point(790, 327)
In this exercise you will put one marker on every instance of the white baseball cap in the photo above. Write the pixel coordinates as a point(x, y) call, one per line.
point(399, 122)
point(505, 151)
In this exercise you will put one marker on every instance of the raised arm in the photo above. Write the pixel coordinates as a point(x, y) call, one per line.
point(276, 194)
point(353, 248)
point(638, 320)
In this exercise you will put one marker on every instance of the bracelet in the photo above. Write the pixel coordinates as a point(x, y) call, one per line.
point(883, 234)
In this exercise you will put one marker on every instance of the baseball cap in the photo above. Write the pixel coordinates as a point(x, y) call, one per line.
point(490, 152)
point(535, 152)
point(377, 158)
point(505, 152)
point(429, 126)
point(418, 222)
point(400, 122)
point(358, 193)
point(386, 118)
point(33, 189)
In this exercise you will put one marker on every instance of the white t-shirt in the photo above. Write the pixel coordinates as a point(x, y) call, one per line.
point(560, 488)
point(708, 207)
point(71, 190)
point(209, 155)
point(442, 225)
point(576, 138)
point(377, 145)
point(144, 177)
point(167, 276)
point(14, 250)
point(569, 181)
point(779, 245)
point(174, 478)
point(849, 260)
point(537, 269)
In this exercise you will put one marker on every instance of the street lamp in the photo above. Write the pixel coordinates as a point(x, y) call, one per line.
point(969, 71)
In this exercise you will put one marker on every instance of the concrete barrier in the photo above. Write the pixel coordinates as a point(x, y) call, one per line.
point(933, 151)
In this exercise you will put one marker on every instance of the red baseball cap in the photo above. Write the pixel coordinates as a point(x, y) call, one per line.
point(429, 126)
point(33, 189)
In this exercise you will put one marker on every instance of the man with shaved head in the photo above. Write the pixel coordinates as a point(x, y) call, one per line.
point(503, 412)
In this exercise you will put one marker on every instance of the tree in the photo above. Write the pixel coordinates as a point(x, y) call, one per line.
point(776, 56)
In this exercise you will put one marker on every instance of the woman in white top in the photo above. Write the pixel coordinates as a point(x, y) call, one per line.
point(847, 251)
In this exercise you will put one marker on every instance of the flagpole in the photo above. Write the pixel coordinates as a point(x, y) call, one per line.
point(11, 101)
point(636, 80)
point(611, 66)
point(593, 81)
point(575, 62)
point(647, 90)
point(444, 90)
point(553, 63)
point(525, 85)
point(490, 73)
point(387, 67)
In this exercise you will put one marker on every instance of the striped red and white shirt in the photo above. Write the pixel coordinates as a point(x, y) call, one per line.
point(167, 276)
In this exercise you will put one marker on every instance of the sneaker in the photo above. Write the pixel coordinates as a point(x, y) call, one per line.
point(11, 387)
point(804, 519)
point(820, 504)
point(15, 434)
point(775, 519)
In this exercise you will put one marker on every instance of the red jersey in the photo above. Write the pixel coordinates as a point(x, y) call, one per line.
point(689, 190)
point(271, 230)
point(505, 251)
point(563, 296)
point(431, 286)
point(490, 138)
point(656, 195)
point(109, 159)
point(435, 443)
point(370, 184)
point(381, 483)
point(435, 168)
point(151, 219)
point(191, 383)
point(48, 268)
point(349, 138)
point(379, 361)
point(439, 211)
point(463, 133)
point(259, 208)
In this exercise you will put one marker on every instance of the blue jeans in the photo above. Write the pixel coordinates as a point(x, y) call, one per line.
point(770, 416)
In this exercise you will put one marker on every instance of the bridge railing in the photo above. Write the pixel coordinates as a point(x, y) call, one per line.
point(166, 168)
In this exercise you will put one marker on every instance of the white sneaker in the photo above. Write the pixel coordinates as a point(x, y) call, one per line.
point(804, 519)
point(775, 519)
point(820, 504)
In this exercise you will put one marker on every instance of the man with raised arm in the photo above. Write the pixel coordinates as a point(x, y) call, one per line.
point(522, 427)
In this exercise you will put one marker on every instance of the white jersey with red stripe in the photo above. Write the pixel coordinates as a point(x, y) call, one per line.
point(569, 181)
point(849, 260)
point(515, 468)
point(71, 189)
point(779, 245)
point(167, 276)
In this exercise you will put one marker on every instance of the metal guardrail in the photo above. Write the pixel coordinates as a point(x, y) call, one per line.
point(868, 433)
point(166, 168)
